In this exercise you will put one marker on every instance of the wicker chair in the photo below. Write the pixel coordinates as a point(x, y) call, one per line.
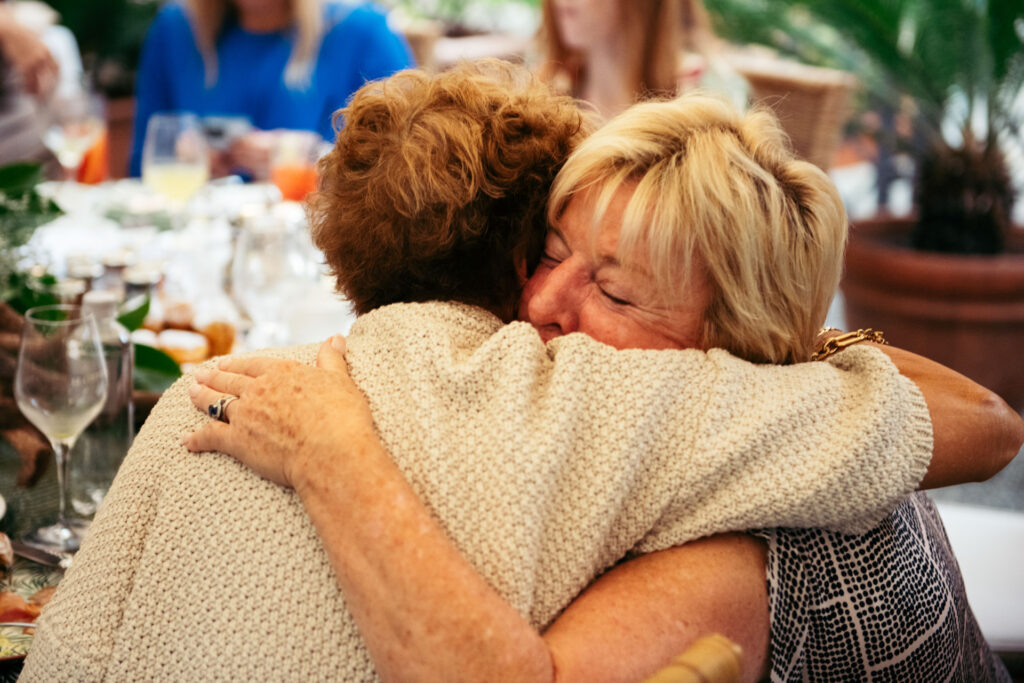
point(812, 103)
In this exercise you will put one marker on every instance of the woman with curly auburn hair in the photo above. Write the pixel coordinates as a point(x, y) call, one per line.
point(487, 478)
point(395, 225)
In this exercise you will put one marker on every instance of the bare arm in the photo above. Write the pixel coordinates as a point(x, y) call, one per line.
point(28, 55)
point(975, 432)
point(646, 611)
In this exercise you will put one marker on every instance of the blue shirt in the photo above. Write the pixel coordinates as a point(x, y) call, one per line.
point(357, 46)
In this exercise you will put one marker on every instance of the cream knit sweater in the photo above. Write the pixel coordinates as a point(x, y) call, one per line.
point(544, 464)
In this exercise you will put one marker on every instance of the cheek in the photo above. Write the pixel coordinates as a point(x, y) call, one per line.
point(607, 326)
point(621, 330)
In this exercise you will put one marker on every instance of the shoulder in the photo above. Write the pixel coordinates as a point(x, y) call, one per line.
point(355, 17)
point(172, 15)
point(171, 22)
point(426, 319)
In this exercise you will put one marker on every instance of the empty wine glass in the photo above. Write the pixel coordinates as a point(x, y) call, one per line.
point(272, 267)
point(60, 386)
point(175, 156)
point(77, 124)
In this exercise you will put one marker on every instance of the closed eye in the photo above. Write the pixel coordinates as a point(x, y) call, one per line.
point(547, 259)
point(614, 299)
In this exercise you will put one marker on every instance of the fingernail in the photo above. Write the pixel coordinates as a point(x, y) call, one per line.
point(338, 342)
point(186, 441)
point(202, 375)
point(193, 390)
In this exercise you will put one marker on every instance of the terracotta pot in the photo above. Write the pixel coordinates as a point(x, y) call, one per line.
point(966, 312)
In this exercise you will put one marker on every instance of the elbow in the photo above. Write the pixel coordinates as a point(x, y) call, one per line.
point(1007, 436)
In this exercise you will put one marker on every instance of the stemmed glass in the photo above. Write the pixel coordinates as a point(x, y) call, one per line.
point(175, 156)
point(76, 125)
point(60, 385)
point(272, 267)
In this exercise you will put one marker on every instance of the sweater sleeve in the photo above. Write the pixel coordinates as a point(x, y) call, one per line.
point(740, 445)
point(835, 445)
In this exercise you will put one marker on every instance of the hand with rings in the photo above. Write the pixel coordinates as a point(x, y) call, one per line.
point(279, 417)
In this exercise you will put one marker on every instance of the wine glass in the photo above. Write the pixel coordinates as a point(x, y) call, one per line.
point(272, 267)
point(60, 385)
point(76, 124)
point(175, 155)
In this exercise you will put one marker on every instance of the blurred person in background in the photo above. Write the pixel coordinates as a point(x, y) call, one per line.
point(279, 64)
point(613, 53)
point(39, 65)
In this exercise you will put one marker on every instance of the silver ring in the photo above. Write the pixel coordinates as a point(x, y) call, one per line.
point(218, 410)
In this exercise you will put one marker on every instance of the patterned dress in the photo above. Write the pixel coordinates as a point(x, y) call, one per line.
point(888, 605)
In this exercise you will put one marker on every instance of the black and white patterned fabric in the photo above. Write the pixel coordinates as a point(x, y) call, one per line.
point(888, 605)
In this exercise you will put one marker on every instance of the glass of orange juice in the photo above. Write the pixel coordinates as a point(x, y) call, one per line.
point(293, 163)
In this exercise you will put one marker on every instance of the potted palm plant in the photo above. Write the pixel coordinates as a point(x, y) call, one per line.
point(948, 282)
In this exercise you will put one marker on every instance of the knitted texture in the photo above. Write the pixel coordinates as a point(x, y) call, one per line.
point(544, 464)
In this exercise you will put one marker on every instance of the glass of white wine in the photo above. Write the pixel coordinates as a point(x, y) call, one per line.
point(175, 156)
point(60, 385)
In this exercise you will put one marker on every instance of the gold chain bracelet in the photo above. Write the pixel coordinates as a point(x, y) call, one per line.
point(836, 344)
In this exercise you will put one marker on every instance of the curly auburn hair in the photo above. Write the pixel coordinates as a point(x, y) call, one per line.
point(436, 187)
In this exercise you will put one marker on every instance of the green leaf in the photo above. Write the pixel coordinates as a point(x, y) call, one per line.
point(133, 318)
point(154, 369)
point(18, 178)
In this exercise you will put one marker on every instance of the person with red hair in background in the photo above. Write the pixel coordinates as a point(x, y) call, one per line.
point(613, 53)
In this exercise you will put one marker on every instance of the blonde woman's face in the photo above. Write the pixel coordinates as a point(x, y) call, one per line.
point(580, 287)
point(583, 24)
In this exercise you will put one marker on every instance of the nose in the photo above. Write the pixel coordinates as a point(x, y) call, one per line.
point(553, 305)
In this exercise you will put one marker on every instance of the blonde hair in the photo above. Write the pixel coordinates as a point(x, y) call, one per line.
point(768, 229)
point(208, 16)
point(651, 32)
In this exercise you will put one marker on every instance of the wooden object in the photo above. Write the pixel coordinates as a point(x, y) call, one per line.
point(711, 659)
point(812, 103)
point(966, 312)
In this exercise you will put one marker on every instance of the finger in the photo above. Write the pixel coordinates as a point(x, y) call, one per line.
point(331, 355)
point(224, 382)
point(215, 436)
point(252, 366)
point(203, 397)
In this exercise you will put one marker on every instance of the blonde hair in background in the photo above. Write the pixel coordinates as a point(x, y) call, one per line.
point(651, 32)
point(208, 18)
point(770, 229)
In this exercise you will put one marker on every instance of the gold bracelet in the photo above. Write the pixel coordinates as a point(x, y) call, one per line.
point(836, 344)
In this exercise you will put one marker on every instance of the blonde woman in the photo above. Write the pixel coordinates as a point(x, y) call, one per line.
point(276, 63)
point(613, 53)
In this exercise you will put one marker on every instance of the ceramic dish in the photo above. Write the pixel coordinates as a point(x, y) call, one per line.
point(26, 578)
